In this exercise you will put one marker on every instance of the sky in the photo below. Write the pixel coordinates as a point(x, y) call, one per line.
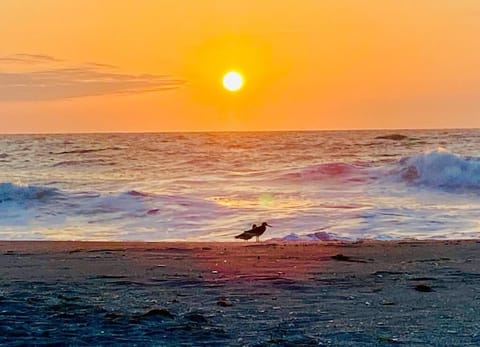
point(157, 65)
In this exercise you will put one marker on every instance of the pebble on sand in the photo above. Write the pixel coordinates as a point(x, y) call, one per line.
point(224, 302)
point(423, 288)
point(159, 312)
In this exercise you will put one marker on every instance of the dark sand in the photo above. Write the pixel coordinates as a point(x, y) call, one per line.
point(240, 294)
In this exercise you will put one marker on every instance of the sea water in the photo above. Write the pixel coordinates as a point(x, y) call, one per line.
point(313, 185)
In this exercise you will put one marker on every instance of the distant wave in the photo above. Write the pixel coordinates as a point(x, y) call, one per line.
point(337, 170)
point(88, 150)
point(440, 169)
point(333, 173)
point(139, 194)
point(10, 192)
point(394, 137)
point(84, 162)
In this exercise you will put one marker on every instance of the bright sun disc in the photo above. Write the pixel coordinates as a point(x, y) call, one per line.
point(232, 81)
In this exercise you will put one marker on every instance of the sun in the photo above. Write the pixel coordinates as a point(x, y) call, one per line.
point(232, 81)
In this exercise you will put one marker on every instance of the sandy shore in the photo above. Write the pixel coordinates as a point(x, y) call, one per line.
point(241, 294)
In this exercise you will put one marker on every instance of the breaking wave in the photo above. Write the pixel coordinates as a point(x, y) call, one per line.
point(10, 192)
point(440, 170)
point(126, 203)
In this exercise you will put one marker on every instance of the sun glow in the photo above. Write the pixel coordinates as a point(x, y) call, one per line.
point(232, 81)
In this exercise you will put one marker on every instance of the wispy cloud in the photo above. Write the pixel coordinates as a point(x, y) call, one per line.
point(55, 80)
point(24, 58)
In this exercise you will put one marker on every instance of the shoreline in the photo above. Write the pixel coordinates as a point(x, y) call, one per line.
point(187, 243)
point(418, 293)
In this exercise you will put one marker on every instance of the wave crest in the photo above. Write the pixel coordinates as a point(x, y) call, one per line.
point(440, 169)
point(87, 150)
point(10, 192)
point(335, 170)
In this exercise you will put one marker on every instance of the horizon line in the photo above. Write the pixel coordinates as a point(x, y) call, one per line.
point(228, 131)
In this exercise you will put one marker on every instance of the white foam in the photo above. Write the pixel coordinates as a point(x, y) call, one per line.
point(318, 236)
point(440, 169)
point(10, 192)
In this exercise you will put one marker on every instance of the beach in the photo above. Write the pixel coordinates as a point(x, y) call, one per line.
point(239, 173)
point(366, 293)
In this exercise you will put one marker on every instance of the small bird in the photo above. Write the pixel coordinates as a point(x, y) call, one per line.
point(255, 231)
point(247, 234)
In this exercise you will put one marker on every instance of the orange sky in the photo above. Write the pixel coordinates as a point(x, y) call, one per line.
point(156, 65)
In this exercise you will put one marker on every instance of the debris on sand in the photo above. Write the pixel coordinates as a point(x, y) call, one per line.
point(158, 312)
point(224, 302)
point(385, 339)
point(196, 317)
point(341, 257)
point(113, 315)
point(423, 288)
point(387, 303)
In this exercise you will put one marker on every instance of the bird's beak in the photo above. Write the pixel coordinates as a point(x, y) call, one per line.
point(268, 225)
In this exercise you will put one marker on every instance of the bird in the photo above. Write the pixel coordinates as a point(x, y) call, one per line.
point(255, 231)
point(247, 234)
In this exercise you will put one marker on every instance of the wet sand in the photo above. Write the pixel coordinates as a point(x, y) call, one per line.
point(240, 294)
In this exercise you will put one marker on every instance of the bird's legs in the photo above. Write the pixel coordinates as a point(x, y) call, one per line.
point(257, 238)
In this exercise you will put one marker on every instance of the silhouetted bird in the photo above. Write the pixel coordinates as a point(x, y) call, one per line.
point(247, 234)
point(255, 231)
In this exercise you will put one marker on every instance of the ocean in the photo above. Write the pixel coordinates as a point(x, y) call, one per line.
point(316, 185)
